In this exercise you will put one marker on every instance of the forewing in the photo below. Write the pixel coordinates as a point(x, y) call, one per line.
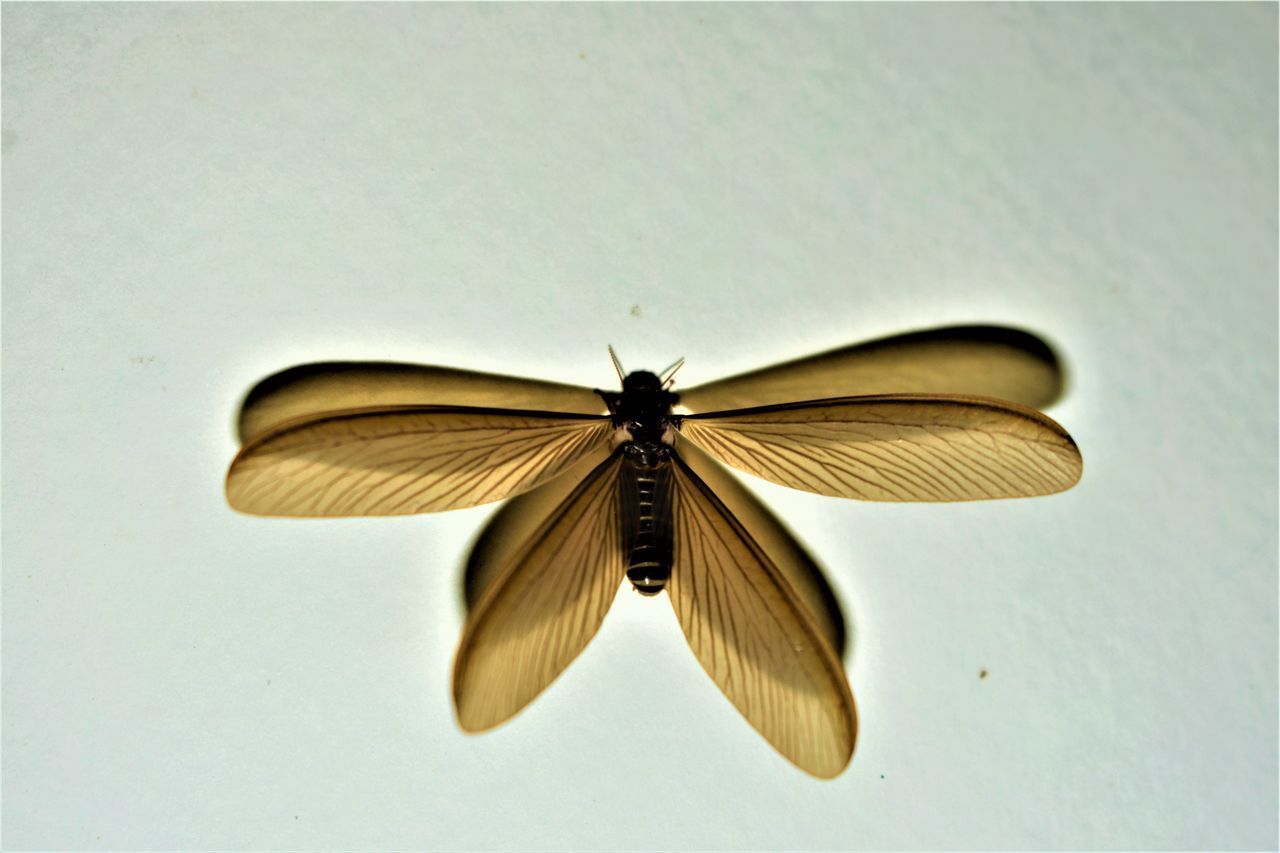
point(309, 390)
point(406, 460)
point(754, 635)
point(983, 361)
point(545, 601)
point(896, 447)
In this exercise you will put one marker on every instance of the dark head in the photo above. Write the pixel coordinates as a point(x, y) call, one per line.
point(643, 406)
point(640, 382)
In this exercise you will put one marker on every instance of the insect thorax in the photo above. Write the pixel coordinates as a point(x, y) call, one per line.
point(641, 412)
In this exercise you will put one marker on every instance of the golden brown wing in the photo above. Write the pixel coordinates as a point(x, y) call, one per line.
point(754, 634)
point(896, 447)
point(799, 569)
point(980, 361)
point(406, 460)
point(313, 389)
point(545, 601)
point(515, 522)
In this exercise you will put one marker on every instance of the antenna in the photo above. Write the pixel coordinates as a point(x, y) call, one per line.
point(617, 365)
point(669, 375)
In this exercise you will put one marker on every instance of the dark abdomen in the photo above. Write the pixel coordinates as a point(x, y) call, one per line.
point(646, 522)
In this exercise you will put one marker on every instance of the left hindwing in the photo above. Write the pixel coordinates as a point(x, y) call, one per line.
point(308, 391)
point(895, 447)
point(753, 634)
point(556, 566)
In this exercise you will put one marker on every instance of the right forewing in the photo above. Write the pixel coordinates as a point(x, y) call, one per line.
point(754, 636)
point(545, 602)
point(405, 460)
point(898, 447)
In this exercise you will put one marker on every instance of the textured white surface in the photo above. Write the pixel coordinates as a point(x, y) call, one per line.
point(196, 196)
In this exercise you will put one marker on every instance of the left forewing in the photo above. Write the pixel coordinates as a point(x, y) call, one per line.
point(405, 460)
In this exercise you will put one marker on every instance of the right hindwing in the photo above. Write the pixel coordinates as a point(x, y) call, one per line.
point(761, 635)
point(978, 361)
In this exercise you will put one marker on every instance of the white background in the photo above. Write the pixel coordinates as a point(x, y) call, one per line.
point(196, 196)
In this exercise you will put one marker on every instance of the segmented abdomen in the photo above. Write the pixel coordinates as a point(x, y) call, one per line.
point(646, 523)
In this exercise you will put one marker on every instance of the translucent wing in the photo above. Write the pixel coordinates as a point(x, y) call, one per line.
point(543, 601)
point(754, 633)
point(799, 569)
point(515, 523)
point(896, 447)
point(983, 361)
point(327, 387)
point(406, 460)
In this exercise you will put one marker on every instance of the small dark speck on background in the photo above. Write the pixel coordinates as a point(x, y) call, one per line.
point(635, 310)
point(982, 673)
point(881, 775)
